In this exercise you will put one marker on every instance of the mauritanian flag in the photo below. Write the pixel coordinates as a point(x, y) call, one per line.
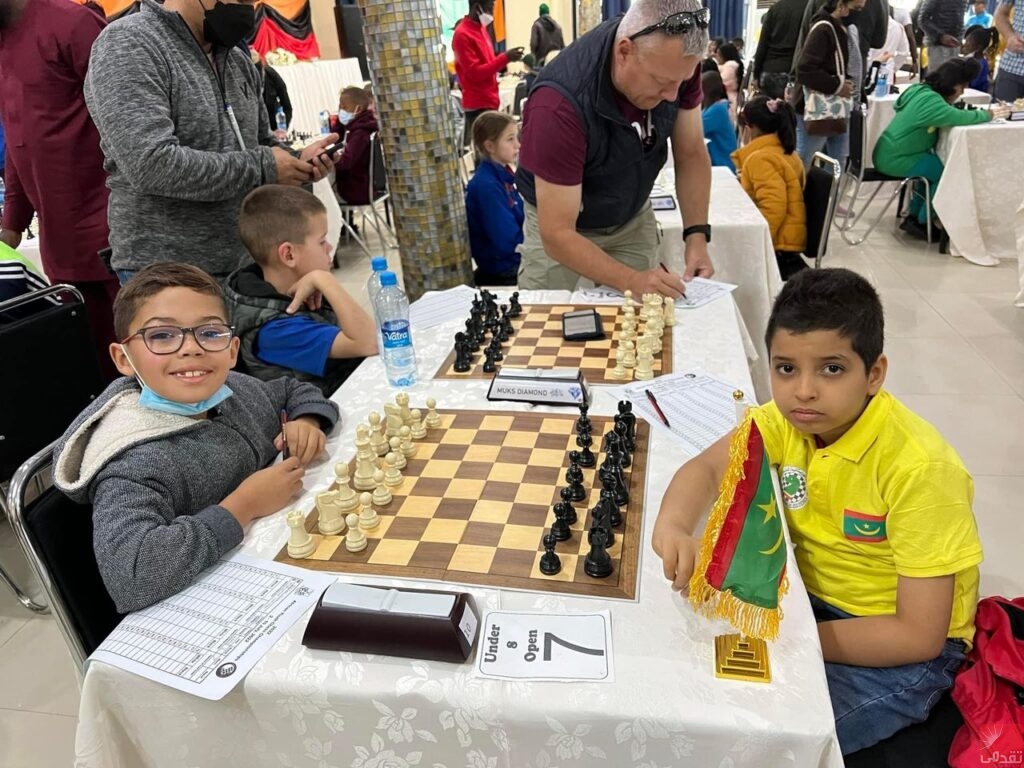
point(741, 574)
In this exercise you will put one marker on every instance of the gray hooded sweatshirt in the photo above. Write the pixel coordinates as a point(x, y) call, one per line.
point(177, 171)
point(156, 480)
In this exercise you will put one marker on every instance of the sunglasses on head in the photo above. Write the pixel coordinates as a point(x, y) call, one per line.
point(678, 23)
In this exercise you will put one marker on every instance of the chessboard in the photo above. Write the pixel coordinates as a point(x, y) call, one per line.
point(537, 343)
point(476, 500)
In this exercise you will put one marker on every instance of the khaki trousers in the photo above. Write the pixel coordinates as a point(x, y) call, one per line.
point(635, 244)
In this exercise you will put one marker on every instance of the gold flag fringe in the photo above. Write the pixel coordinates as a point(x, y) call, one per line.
point(750, 620)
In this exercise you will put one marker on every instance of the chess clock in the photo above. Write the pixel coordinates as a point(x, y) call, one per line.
point(582, 325)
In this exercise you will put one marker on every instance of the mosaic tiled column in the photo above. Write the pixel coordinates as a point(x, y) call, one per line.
point(410, 82)
point(588, 16)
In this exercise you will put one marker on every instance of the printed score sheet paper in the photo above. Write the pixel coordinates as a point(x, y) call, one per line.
point(207, 638)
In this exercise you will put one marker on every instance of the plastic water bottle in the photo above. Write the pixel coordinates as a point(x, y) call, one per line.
point(379, 265)
point(325, 121)
point(281, 118)
point(393, 313)
point(3, 192)
point(882, 83)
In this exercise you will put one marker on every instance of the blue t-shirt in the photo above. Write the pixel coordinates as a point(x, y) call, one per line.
point(721, 133)
point(979, 19)
point(980, 83)
point(300, 343)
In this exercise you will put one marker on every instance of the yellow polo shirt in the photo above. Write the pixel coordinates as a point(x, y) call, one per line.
point(889, 498)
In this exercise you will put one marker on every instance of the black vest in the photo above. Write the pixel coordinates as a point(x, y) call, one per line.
point(619, 172)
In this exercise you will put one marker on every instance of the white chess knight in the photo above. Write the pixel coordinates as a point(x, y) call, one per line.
point(368, 517)
point(355, 539)
point(347, 498)
point(417, 429)
point(433, 420)
point(392, 420)
point(402, 400)
point(331, 518)
point(378, 442)
point(381, 494)
point(300, 542)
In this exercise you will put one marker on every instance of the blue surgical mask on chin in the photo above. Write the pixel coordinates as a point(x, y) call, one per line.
point(150, 399)
point(345, 117)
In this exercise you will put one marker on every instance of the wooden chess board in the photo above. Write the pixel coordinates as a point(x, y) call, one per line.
point(538, 343)
point(476, 500)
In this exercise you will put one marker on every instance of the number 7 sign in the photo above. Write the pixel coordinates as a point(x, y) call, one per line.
point(542, 646)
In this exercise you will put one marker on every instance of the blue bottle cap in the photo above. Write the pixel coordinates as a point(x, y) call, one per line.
point(388, 278)
point(378, 263)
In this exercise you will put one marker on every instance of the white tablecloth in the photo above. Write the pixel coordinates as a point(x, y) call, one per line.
point(741, 250)
point(314, 86)
point(882, 109)
point(981, 191)
point(312, 708)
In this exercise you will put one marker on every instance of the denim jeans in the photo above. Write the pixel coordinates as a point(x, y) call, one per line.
point(872, 703)
point(836, 147)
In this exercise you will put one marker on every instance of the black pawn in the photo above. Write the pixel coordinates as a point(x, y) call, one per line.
point(570, 511)
point(560, 528)
point(489, 366)
point(495, 348)
point(550, 564)
point(587, 458)
point(574, 477)
point(514, 308)
point(598, 564)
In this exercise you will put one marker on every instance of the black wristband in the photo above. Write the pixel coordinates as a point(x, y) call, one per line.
point(703, 229)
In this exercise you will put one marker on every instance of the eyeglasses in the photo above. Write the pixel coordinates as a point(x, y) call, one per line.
point(678, 23)
point(168, 339)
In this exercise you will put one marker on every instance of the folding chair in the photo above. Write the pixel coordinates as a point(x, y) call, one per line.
point(56, 534)
point(858, 173)
point(378, 193)
point(56, 368)
point(821, 194)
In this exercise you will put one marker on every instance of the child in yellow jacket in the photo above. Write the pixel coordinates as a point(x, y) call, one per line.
point(773, 176)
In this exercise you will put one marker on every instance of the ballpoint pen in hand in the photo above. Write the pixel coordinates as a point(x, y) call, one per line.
point(285, 453)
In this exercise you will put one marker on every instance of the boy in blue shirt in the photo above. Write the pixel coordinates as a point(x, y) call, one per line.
point(291, 315)
point(981, 17)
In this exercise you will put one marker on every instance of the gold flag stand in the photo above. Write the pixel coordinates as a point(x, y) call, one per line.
point(738, 657)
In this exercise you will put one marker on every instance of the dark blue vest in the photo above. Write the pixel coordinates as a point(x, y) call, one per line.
point(619, 172)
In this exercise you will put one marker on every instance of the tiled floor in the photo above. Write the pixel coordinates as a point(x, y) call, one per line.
point(956, 352)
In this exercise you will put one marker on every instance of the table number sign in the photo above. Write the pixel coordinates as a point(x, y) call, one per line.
point(545, 646)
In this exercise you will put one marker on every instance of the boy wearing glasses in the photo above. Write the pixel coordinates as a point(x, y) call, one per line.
point(176, 456)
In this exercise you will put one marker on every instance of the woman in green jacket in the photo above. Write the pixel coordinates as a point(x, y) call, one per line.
point(907, 146)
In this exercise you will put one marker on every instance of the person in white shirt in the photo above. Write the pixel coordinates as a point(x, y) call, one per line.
point(896, 49)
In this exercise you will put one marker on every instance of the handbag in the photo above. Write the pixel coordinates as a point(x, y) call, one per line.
point(826, 114)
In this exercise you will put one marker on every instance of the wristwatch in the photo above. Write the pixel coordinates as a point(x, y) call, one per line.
point(704, 229)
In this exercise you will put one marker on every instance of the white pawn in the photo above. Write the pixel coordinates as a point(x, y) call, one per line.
point(368, 518)
point(408, 448)
point(643, 370)
point(433, 420)
point(629, 360)
point(331, 522)
point(629, 303)
point(300, 543)
point(418, 430)
point(392, 475)
point(378, 442)
point(355, 540)
point(670, 312)
point(396, 448)
point(619, 372)
point(347, 499)
point(381, 494)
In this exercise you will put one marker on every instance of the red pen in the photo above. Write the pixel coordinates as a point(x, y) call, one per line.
point(654, 402)
point(285, 453)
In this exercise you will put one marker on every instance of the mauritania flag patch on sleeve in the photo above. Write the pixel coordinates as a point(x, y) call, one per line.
point(860, 527)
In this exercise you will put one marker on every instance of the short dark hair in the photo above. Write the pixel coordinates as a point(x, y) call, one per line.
point(358, 95)
point(831, 300)
point(954, 72)
point(714, 90)
point(148, 282)
point(275, 214)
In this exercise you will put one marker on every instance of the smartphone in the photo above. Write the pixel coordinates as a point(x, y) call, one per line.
point(330, 149)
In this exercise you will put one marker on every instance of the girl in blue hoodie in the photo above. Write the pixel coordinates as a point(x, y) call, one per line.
point(493, 205)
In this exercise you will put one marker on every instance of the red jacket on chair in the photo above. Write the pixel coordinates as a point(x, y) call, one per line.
point(989, 689)
point(476, 65)
point(352, 171)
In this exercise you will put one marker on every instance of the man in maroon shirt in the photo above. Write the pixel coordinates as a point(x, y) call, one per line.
point(476, 64)
point(54, 164)
point(596, 131)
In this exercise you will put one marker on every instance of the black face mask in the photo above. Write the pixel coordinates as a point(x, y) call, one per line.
point(227, 25)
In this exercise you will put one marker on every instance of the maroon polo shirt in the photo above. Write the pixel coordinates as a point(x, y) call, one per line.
point(54, 163)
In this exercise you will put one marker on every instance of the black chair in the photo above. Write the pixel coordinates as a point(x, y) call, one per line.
point(924, 745)
point(821, 193)
point(378, 193)
point(56, 534)
point(858, 173)
point(50, 359)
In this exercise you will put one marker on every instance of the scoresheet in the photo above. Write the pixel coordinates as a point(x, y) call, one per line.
point(206, 638)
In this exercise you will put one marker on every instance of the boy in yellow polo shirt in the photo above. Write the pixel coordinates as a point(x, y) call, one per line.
point(878, 506)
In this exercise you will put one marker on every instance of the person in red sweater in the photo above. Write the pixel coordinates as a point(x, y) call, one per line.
point(352, 169)
point(476, 64)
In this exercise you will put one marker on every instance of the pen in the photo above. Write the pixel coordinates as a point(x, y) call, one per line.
point(285, 453)
point(666, 269)
point(654, 402)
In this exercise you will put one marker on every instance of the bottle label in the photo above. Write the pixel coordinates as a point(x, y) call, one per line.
point(395, 334)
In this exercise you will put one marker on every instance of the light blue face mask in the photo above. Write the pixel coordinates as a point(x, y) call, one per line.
point(345, 117)
point(150, 399)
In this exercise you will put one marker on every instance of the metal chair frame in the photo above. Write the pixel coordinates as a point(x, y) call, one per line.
point(823, 161)
point(381, 224)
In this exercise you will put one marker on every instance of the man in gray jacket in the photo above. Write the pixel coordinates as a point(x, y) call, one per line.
point(942, 22)
point(185, 134)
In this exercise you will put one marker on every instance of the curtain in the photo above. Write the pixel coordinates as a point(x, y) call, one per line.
point(726, 18)
point(612, 8)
